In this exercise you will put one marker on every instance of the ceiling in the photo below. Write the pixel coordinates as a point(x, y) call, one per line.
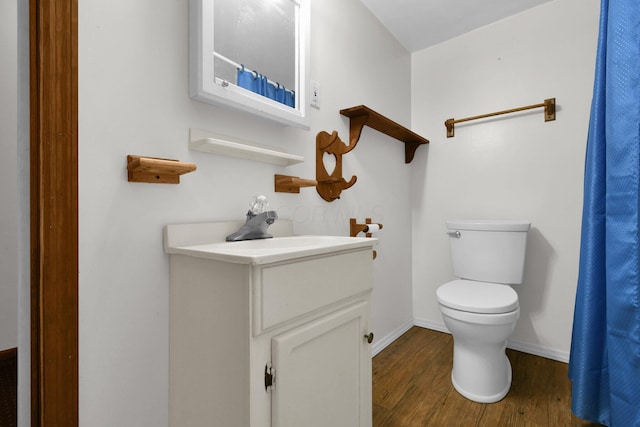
point(418, 24)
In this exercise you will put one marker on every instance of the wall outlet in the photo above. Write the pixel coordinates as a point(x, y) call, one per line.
point(315, 94)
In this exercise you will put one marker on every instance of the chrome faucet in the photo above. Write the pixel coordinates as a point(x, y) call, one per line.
point(259, 218)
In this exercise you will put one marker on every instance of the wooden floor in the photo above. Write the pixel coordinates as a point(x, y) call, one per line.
point(8, 388)
point(412, 387)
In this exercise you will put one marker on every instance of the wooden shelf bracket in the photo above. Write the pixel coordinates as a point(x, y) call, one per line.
point(291, 184)
point(362, 116)
point(156, 170)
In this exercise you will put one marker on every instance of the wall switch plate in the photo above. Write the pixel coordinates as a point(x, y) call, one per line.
point(315, 94)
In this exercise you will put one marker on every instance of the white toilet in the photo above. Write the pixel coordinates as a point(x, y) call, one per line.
point(480, 309)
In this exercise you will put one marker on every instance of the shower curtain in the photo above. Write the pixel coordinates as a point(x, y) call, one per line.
point(604, 364)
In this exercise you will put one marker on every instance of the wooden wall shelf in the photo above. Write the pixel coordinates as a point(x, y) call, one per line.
point(362, 115)
point(156, 170)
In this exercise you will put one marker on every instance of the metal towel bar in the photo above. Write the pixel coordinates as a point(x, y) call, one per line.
point(549, 114)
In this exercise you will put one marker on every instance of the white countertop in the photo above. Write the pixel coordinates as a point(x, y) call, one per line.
point(266, 251)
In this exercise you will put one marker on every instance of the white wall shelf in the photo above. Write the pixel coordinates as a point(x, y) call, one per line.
point(208, 142)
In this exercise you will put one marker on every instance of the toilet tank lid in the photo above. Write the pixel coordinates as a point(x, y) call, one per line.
point(488, 225)
point(477, 297)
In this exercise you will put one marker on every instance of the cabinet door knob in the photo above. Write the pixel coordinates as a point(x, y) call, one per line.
point(369, 337)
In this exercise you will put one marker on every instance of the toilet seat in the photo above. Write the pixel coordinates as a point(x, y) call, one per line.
point(477, 297)
point(481, 319)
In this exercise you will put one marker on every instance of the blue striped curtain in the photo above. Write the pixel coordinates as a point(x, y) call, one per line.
point(604, 364)
point(260, 84)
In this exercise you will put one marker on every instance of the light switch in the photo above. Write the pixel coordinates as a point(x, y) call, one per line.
point(315, 94)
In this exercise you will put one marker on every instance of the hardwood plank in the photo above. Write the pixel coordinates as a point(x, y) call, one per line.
point(406, 369)
point(412, 387)
point(9, 354)
point(9, 388)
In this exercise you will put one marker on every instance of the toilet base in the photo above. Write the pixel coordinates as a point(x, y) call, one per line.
point(481, 369)
point(484, 398)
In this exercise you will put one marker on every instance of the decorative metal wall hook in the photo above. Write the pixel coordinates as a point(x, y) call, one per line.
point(330, 185)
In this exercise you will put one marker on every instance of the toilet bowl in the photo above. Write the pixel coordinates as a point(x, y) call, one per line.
point(481, 370)
point(480, 309)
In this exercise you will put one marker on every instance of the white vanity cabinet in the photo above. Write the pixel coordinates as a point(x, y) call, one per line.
point(303, 316)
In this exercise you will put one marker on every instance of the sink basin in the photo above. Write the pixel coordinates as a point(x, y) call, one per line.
point(265, 251)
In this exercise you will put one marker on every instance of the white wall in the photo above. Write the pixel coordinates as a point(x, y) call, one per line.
point(133, 100)
point(510, 167)
point(8, 176)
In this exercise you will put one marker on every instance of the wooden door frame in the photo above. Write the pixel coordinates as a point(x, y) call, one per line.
point(53, 86)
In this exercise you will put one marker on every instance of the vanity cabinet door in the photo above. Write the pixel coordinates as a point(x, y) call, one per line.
point(323, 372)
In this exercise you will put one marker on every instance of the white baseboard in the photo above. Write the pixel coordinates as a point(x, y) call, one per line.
point(428, 324)
point(536, 350)
point(385, 341)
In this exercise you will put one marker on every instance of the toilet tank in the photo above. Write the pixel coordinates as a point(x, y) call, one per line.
point(488, 251)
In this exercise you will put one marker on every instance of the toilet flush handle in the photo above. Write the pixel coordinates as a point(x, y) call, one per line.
point(455, 234)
